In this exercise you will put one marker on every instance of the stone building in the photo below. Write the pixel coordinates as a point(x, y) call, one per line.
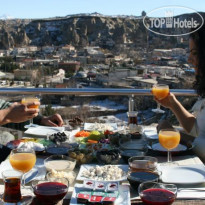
point(24, 74)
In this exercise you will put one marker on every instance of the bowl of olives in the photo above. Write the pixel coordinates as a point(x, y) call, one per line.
point(108, 156)
point(81, 156)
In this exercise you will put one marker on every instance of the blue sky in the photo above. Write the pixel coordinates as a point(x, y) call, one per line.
point(52, 8)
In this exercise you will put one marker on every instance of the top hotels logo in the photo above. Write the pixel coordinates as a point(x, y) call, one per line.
point(168, 23)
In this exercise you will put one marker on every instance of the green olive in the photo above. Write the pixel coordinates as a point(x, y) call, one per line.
point(73, 155)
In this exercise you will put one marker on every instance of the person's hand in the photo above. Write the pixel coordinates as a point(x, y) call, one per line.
point(18, 112)
point(167, 102)
point(53, 121)
point(164, 124)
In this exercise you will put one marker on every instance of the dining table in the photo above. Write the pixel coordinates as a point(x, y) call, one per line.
point(188, 158)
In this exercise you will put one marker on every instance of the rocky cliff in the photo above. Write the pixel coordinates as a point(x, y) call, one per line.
point(76, 30)
point(80, 31)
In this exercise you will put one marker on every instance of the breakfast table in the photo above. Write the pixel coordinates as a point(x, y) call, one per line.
point(180, 160)
point(193, 197)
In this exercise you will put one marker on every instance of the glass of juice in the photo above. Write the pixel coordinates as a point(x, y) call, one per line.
point(27, 100)
point(12, 186)
point(22, 160)
point(169, 139)
point(50, 192)
point(152, 193)
point(160, 91)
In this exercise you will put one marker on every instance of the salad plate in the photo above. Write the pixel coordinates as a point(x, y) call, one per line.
point(179, 149)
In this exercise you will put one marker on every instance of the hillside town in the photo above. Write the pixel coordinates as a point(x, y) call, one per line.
point(61, 67)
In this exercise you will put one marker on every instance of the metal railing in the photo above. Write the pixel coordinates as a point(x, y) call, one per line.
point(90, 91)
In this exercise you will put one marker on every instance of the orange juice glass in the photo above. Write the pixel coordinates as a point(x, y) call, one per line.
point(30, 100)
point(169, 139)
point(160, 91)
point(22, 160)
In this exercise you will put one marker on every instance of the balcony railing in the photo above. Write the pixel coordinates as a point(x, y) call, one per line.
point(90, 91)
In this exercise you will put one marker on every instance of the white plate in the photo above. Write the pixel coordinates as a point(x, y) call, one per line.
point(100, 126)
point(179, 148)
point(43, 130)
point(194, 174)
point(88, 166)
point(123, 198)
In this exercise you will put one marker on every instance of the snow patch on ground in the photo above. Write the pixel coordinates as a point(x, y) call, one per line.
point(106, 105)
point(53, 106)
point(103, 105)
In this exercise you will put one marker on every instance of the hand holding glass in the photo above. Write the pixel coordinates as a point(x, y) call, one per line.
point(160, 91)
point(27, 100)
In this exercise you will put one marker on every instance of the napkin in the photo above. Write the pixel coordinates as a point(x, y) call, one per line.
point(31, 145)
point(5, 165)
point(150, 132)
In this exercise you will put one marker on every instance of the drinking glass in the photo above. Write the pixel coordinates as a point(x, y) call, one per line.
point(132, 121)
point(169, 139)
point(157, 193)
point(26, 100)
point(12, 186)
point(22, 160)
point(50, 191)
point(160, 91)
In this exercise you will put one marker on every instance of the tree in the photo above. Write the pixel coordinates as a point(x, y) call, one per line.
point(143, 13)
point(124, 64)
point(69, 74)
point(7, 64)
point(48, 110)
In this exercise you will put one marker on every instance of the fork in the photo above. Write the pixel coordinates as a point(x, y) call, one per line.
point(192, 189)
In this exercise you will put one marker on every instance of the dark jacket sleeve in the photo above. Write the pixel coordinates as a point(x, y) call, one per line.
point(20, 126)
point(37, 119)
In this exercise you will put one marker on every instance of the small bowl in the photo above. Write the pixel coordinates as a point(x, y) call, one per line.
point(144, 163)
point(81, 156)
point(137, 144)
point(136, 178)
point(59, 163)
point(157, 193)
point(108, 156)
point(126, 154)
point(136, 135)
point(116, 137)
point(58, 150)
point(50, 192)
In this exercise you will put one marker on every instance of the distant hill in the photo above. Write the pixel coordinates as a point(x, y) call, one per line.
point(79, 30)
